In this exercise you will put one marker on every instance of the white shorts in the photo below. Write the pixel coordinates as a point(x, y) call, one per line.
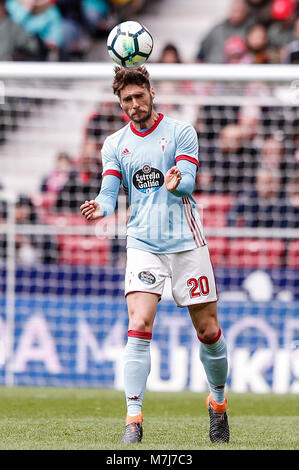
point(191, 273)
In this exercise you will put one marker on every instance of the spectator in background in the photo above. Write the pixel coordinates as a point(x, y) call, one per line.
point(281, 31)
point(40, 18)
point(107, 119)
point(26, 246)
point(249, 119)
point(82, 183)
point(263, 206)
point(3, 209)
point(290, 52)
point(15, 42)
point(34, 248)
point(57, 179)
point(272, 153)
point(228, 167)
point(236, 51)
point(260, 10)
point(293, 201)
point(273, 156)
point(257, 43)
point(295, 144)
point(237, 24)
point(76, 41)
point(95, 14)
point(170, 55)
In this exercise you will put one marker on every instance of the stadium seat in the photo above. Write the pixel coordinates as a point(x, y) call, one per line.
point(213, 208)
point(256, 253)
point(218, 248)
point(293, 254)
point(83, 250)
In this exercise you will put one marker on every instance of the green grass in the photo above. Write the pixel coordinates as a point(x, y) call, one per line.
point(51, 418)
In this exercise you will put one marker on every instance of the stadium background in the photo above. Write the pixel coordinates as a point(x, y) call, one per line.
point(63, 317)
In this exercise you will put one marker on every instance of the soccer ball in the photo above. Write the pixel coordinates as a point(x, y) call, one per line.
point(129, 44)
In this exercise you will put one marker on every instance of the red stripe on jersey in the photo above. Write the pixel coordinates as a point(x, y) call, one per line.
point(113, 173)
point(185, 206)
point(195, 227)
point(186, 157)
point(195, 223)
point(151, 129)
point(213, 341)
point(140, 334)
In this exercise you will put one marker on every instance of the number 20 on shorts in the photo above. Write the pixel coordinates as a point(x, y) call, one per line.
point(198, 286)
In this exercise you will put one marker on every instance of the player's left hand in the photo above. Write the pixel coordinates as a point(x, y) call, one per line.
point(172, 178)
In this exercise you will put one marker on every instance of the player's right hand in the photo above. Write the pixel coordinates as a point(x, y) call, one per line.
point(91, 210)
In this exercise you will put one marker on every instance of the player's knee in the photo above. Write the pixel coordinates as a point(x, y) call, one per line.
point(209, 333)
point(140, 324)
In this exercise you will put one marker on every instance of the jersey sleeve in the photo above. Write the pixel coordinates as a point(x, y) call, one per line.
point(187, 183)
point(187, 145)
point(111, 164)
point(112, 176)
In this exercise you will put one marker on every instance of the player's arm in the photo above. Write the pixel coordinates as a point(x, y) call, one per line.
point(180, 179)
point(105, 203)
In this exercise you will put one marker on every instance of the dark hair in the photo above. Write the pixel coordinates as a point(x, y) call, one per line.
point(129, 76)
point(170, 48)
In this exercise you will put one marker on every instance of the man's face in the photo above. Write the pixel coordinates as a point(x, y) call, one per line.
point(238, 12)
point(137, 102)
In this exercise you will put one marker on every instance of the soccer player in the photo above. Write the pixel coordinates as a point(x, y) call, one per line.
point(156, 158)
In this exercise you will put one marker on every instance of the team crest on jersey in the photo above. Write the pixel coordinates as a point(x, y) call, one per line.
point(163, 142)
point(148, 179)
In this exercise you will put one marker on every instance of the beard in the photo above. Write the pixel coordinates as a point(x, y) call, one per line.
point(142, 120)
point(147, 116)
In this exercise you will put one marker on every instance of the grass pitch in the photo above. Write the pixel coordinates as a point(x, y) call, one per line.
point(80, 419)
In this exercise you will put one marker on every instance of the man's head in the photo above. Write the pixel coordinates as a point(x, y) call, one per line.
point(268, 182)
point(238, 12)
point(272, 152)
point(231, 138)
point(135, 92)
point(249, 118)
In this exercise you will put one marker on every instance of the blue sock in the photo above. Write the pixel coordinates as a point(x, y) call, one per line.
point(214, 359)
point(137, 365)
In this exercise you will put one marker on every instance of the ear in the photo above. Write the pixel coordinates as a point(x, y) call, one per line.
point(152, 92)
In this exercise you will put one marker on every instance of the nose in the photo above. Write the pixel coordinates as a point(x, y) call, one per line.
point(135, 103)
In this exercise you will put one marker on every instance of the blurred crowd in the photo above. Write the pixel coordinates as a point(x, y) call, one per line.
point(249, 154)
point(255, 31)
point(61, 30)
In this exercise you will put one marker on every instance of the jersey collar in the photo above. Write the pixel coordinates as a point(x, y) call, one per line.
point(150, 130)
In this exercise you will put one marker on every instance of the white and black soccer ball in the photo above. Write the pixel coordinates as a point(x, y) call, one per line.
point(130, 44)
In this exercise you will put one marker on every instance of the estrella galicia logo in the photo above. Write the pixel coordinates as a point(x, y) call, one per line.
point(147, 277)
point(148, 179)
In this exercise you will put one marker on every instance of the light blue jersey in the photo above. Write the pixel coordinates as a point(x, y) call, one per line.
point(160, 221)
